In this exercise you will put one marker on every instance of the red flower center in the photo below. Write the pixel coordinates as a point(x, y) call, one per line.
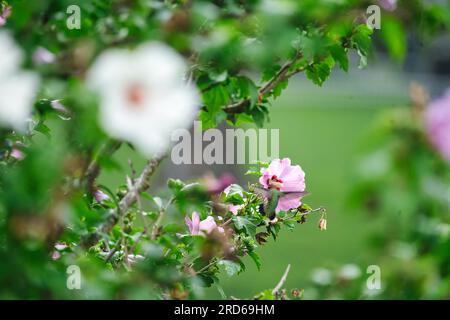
point(136, 95)
point(275, 183)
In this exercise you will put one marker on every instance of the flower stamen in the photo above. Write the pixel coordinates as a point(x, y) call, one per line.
point(274, 183)
point(135, 95)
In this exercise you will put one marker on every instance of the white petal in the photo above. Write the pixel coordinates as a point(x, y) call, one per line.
point(10, 55)
point(16, 99)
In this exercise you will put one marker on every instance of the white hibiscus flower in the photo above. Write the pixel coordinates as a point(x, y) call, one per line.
point(143, 95)
point(17, 87)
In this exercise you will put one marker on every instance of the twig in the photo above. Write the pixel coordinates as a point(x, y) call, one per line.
point(281, 75)
point(282, 280)
point(113, 251)
point(93, 169)
point(141, 184)
point(158, 221)
point(207, 266)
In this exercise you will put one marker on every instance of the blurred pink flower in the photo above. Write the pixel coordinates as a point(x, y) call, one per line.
point(389, 5)
point(235, 208)
point(17, 154)
point(196, 227)
point(216, 186)
point(5, 15)
point(43, 56)
point(100, 196)
point(60, 246)
point(437, 121)
point(56, 255)
point(284, 177)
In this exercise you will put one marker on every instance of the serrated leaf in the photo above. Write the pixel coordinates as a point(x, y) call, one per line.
point(339, 54)
point(247, 224)
point(256, 259)
point(231, 268)
point(318, 73)
point(361, 39)
point(216, 98)
point(289, 224)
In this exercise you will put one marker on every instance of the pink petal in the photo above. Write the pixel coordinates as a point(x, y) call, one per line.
point(100, 196)
point(264, 178)
point(60, 246)
point(208, 224)
point(235, 208)
point(389, 5)
point(17, 154)
point(275, 168)
point(56, 255)
point(293, 178)
point(43, 56)
point(195, 223)
point(188, 222)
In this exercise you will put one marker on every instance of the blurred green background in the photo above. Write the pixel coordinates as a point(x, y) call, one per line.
point(321, 129)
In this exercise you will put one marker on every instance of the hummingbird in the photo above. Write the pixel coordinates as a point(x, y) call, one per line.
point(271, 197)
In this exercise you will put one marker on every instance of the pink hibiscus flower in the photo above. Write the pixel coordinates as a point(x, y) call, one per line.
point(197, 227)
point(5, 15)
point(284, 177)
point(100, 196)
point(235, 208)
point(389, 5)
point(437, 122)
point(216, 186)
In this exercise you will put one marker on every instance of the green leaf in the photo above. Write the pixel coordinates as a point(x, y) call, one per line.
point(278, 89)
point(42, 128)
point(260, 114)
point(231, 268)
point(255, 257)
point(216, 98)
point(361, 41)
point(254, 172)
point(265, 295)
point(211, 119)
point(247, 224)
point(245, 88)
point(289, 224)
point(274, 230)
point(339, 54)
point(394, 36)
point(319, 72)
point(234, 194)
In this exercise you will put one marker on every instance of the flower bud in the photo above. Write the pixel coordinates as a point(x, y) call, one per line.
point(323, 224)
